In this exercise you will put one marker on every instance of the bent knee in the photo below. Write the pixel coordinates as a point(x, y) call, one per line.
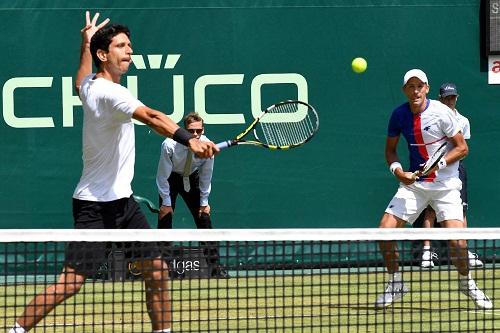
point(156, 269)
point(391, 221)
point(68, 288)
point(457, 243)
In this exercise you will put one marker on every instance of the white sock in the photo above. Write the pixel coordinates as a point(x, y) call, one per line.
point(17, 329)
point(166, 330)
point(427, 247)
point(464, 277)
point(396, 277)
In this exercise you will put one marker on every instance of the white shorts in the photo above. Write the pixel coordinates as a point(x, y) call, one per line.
point(443, 196)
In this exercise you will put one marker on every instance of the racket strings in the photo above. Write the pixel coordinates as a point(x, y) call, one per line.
point(286, 133)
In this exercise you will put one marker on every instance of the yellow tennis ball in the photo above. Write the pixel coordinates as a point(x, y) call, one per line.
point(359, 65)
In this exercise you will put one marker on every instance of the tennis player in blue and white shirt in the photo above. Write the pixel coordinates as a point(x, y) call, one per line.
point(425, 124)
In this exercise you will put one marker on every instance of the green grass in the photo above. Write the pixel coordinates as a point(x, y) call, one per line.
point(333, 302)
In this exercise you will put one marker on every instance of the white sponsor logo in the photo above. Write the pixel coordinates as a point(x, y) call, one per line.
point(494, 8)
point(19, 118)
point(182, 266)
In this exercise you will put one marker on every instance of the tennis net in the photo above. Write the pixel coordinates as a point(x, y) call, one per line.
point(246, 280)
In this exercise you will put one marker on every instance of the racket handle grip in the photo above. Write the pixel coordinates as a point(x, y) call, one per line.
point(224, 144)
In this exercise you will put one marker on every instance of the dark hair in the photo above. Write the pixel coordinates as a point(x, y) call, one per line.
point(102, 38)
point(191, 118)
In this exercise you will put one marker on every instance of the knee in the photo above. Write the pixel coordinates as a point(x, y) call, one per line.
point(68, 288)
point(386, 246)
point(458, 244)
point(389, 221)
point(157, 270)
point(204, 221)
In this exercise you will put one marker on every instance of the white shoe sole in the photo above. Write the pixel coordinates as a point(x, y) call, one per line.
point(427, 264)
point(484, 306)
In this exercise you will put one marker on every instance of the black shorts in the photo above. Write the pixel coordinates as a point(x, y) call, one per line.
point(87, 257)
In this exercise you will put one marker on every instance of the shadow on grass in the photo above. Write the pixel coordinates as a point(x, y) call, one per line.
point(402, 307)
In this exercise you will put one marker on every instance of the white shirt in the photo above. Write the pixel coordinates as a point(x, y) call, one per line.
point(173, 159)
point(463, 123)
point(108, 141)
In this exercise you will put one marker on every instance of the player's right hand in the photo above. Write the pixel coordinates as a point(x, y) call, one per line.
point(203, 149)
point(204, 209)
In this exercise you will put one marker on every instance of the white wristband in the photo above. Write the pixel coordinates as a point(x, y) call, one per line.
point(394, 166)
point(442, 163)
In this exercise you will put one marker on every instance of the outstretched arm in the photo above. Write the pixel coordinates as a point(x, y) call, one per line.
point(87, 32)
point(165, 126)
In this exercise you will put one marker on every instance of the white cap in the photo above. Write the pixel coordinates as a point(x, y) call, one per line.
point(418, 73)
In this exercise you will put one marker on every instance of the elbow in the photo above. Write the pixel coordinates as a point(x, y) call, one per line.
point(464, 151)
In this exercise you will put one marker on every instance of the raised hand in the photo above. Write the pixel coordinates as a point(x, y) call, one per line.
point(91, 26)
point(87, 32)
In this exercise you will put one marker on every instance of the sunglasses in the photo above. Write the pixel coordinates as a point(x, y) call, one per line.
point(195, 130)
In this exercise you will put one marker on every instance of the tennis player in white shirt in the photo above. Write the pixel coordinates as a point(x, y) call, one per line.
point(103, 197)
point(425, 123)
point(448, 95)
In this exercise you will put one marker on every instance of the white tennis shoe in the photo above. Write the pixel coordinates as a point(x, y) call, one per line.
point(428, 258)
point(469, 288)
point(474, 261)
point(393, 292)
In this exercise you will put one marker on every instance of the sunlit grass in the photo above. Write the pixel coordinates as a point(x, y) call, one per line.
point(340, 301)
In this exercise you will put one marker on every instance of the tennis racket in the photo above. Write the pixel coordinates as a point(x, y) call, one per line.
point(432, 161)
point(284, 125)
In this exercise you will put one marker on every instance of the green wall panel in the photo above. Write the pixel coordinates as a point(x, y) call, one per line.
point(337, 180)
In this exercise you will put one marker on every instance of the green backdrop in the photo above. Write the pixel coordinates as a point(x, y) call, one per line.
point(339, 179)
